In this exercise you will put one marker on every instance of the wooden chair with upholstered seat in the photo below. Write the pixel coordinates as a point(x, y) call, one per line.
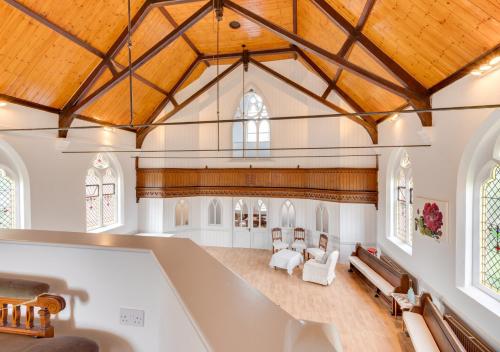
point(318, 252)
point(299, 240)
point(277, 239)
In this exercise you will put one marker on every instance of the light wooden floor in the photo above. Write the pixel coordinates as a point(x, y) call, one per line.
point(364, 322)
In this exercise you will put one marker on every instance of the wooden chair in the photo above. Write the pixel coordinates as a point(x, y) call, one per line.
point(277, 239)
point(318, 252)
point(299, 240)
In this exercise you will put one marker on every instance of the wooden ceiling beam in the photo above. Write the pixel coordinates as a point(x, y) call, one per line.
point(155, 49)
point(184, 36)
point(370, 127)
point(399, 73)
point(420, 100)
point(29, 104)
point(334, 58)
point(107, 58)
point(141, 134)
point(175, 88)
point(236, 55)
point(465, 70)
point(158, 3)
point(346, 97)
point(352, 37)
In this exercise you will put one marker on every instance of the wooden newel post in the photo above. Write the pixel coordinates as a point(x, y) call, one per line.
point(44, 316)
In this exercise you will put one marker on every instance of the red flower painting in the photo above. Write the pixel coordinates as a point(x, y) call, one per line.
point(431, 221)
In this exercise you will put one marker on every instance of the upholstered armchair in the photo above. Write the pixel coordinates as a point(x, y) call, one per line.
point(317, 272)
point(299, 240)
point(277, 238)
point(318, 252)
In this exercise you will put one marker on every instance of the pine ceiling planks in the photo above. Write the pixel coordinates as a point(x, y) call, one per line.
point(315, 27)
point(96, 22)
point(204, 34)
point(152, 29)
point(113, 107)
point(350, 9)
point(433, 39)
point(368, 95)
point(168, 66)
point(36, 63)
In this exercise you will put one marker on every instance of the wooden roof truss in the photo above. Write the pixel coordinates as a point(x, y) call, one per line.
point(411, 90)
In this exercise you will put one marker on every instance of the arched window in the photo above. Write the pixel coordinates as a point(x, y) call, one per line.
point(214, 212)
point(7, 201)
point(240, 214)
point(287, 214)
point(181, 213)
point(321, 219)
point(260, 214)
point(489, 232)
point(404, 200)
point(255, 133)
point(101, 194)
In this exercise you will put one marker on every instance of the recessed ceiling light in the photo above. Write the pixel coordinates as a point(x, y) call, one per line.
point(3, 103)
point(476, 73)
point(234, 24)
point(495, 61)
point(484, 67)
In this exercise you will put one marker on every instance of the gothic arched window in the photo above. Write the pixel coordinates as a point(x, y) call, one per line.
point(214, 212)
point(321, 219)
point(255, 134)
point(287, 214)
point(489, 232)
point(7, 201)
point(101, 196)
point(181, 213)
point(403, 209)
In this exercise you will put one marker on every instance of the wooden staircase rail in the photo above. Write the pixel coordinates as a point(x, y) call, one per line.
point(13, 322)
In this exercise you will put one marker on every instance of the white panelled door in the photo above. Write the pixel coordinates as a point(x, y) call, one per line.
point(250, 228)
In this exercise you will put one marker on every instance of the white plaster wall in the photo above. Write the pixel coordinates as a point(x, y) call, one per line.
point(57, 181)
point(96, 283)
point(281, 100)
point(435, 176)
point(348, 223)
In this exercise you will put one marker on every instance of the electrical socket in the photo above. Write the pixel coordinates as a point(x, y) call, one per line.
point(132, 317)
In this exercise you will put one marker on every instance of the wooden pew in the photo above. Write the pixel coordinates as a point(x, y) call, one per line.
point(384, 277)
point(428, 331)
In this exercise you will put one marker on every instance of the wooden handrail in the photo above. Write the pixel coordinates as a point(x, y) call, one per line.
point(47, 304)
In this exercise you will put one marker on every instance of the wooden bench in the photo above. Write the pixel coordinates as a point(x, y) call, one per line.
point(386, 278)
point(427, 329)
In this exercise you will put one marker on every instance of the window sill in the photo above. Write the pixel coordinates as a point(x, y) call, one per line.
point(405, 247)
point(105, 228)
point(482, 298)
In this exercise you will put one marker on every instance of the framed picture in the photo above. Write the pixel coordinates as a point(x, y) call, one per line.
point(431, 219)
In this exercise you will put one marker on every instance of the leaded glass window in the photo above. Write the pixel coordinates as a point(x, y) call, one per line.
point(490, 232)
point(321, 219)
point(255, 133)
point(214, 212)
point(404, 200)
point(101, 198)
point(240, 214)
point(287, 214)
point(7, 201)
point(181, 213)
point(260, 215)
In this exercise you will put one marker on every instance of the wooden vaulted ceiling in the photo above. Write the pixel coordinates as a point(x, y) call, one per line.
point(70, 57)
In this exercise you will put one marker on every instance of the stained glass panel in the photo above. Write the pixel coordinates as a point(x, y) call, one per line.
point(108, 198)
point(92, 200)
point(7, 201)
point(490, 232)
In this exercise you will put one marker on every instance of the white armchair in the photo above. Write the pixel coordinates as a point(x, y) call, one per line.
point(315, 271)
